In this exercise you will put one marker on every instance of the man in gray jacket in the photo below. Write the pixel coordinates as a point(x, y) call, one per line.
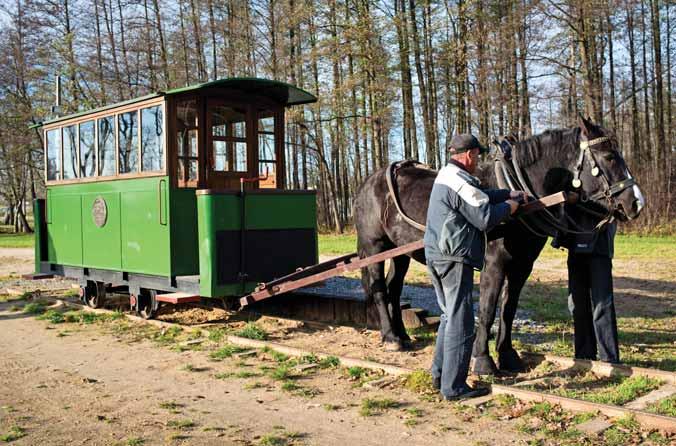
point(459, 214)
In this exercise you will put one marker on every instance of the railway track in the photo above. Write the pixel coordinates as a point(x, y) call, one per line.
point(518, 387)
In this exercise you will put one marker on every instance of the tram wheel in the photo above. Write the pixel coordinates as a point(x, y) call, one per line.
point(146, 304)
point(94, 294)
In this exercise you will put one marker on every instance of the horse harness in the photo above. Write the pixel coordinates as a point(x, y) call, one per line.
point(391, 177)
point(507, 168)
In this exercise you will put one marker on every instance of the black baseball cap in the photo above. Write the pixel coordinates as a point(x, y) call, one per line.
point(464, 142)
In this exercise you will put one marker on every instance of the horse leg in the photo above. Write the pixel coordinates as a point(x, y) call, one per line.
point(375, 288)
point(492, 280)
point(508, 358)
point(395, 285)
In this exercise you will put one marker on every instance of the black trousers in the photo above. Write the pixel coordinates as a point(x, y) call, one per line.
point(591, 302)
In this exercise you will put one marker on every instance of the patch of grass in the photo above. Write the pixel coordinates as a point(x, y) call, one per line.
point(135, 441)
point(290, 386)
point(336, 244)
point(309, 359)
point(181, 424)
point(373, 406)
point(243, 374)
point(216, 335)
point(615, 391)
point(15, 432)
point(254, 385)
point(252, 331)
point(666, 407)
point(171, 405)
point(278, 356)
point(168, 336)
point(330, 407)
point(34, 308)
point(224, 375)
point(414, 412)
point(281, 373)
point(356, 372)
point(273, 440)
point(225, 352)
point(52, 316)
point(329, 362)
point(419, 381)
point(12, 240)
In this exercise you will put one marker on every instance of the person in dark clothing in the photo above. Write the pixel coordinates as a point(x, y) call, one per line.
point(590, 287)
point(459, 213)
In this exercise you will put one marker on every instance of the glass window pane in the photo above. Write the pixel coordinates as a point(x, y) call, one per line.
point(54, 154)
point(87, 150)
point(192, 172)
point(187, 143)
point(152, 143)
point(70, 162)
point(228, 121)
point(266, 121)
point(266, 147)
point(186, 114)
point(239, 157)
point(107, 146)
point(127, 134)
point(221, 156)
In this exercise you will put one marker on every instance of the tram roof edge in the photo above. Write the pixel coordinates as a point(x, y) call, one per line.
point(282, 92)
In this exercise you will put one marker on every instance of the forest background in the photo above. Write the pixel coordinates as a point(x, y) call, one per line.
point(395, 79)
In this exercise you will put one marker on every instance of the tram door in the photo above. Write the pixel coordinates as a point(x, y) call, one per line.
point(227, 144)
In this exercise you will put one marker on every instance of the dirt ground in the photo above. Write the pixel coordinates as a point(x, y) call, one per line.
point(85, 385)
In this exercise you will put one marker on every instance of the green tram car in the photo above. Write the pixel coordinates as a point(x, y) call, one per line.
point(175, 196)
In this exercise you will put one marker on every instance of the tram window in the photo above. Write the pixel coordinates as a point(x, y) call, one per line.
point(127, 134)
point(54, 155)
point(70, 162)
point(266, 137)
point(152, 149)
point(186, 139)
point(87, 150)
point(106, 146)
point(228, 133)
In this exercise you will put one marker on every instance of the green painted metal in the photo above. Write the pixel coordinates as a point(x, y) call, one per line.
point(215, 212)
point(184, 242)
point(222, 212)
point(39, 225)
point(135, 237)
point(281, 211)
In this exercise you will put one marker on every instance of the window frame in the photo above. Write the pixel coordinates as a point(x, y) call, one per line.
point(114, 113)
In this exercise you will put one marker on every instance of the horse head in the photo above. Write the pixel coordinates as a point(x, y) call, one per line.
point(601, 174)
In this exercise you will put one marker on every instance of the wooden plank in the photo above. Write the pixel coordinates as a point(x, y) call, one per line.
point(667, 424)
point(354, 264)
point(178, 298)
point(542, 203)
point(601, 368)
point(658, 394)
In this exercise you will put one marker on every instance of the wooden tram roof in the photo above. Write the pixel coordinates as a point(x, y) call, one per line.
point(281, 92)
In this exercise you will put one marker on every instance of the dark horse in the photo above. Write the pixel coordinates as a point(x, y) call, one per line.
point(584, 159)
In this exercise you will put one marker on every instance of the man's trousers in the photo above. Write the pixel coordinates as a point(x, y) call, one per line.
point(453, 283)
point(591, 302)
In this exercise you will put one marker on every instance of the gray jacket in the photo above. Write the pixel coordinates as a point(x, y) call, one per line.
point(458, 213)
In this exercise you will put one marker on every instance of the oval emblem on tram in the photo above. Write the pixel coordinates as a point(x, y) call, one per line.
point(100, 212)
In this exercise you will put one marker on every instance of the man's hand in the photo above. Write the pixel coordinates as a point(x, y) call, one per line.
point(519, 195)
point(513, 206)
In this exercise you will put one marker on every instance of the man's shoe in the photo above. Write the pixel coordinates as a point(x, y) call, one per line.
point(436, 383)
point(470, 393)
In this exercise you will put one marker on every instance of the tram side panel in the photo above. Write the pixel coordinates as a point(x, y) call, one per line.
point(120, 225)
point(279, 236)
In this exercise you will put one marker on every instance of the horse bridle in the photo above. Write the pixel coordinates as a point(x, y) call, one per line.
point(609, 189)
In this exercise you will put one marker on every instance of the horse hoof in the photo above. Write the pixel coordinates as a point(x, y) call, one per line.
point(484, 365)
point(392, 346)
point(510, 361)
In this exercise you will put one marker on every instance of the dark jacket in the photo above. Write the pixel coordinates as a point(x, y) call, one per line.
point(458, 213)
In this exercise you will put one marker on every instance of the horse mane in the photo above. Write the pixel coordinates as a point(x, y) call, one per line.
point(547, 143)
